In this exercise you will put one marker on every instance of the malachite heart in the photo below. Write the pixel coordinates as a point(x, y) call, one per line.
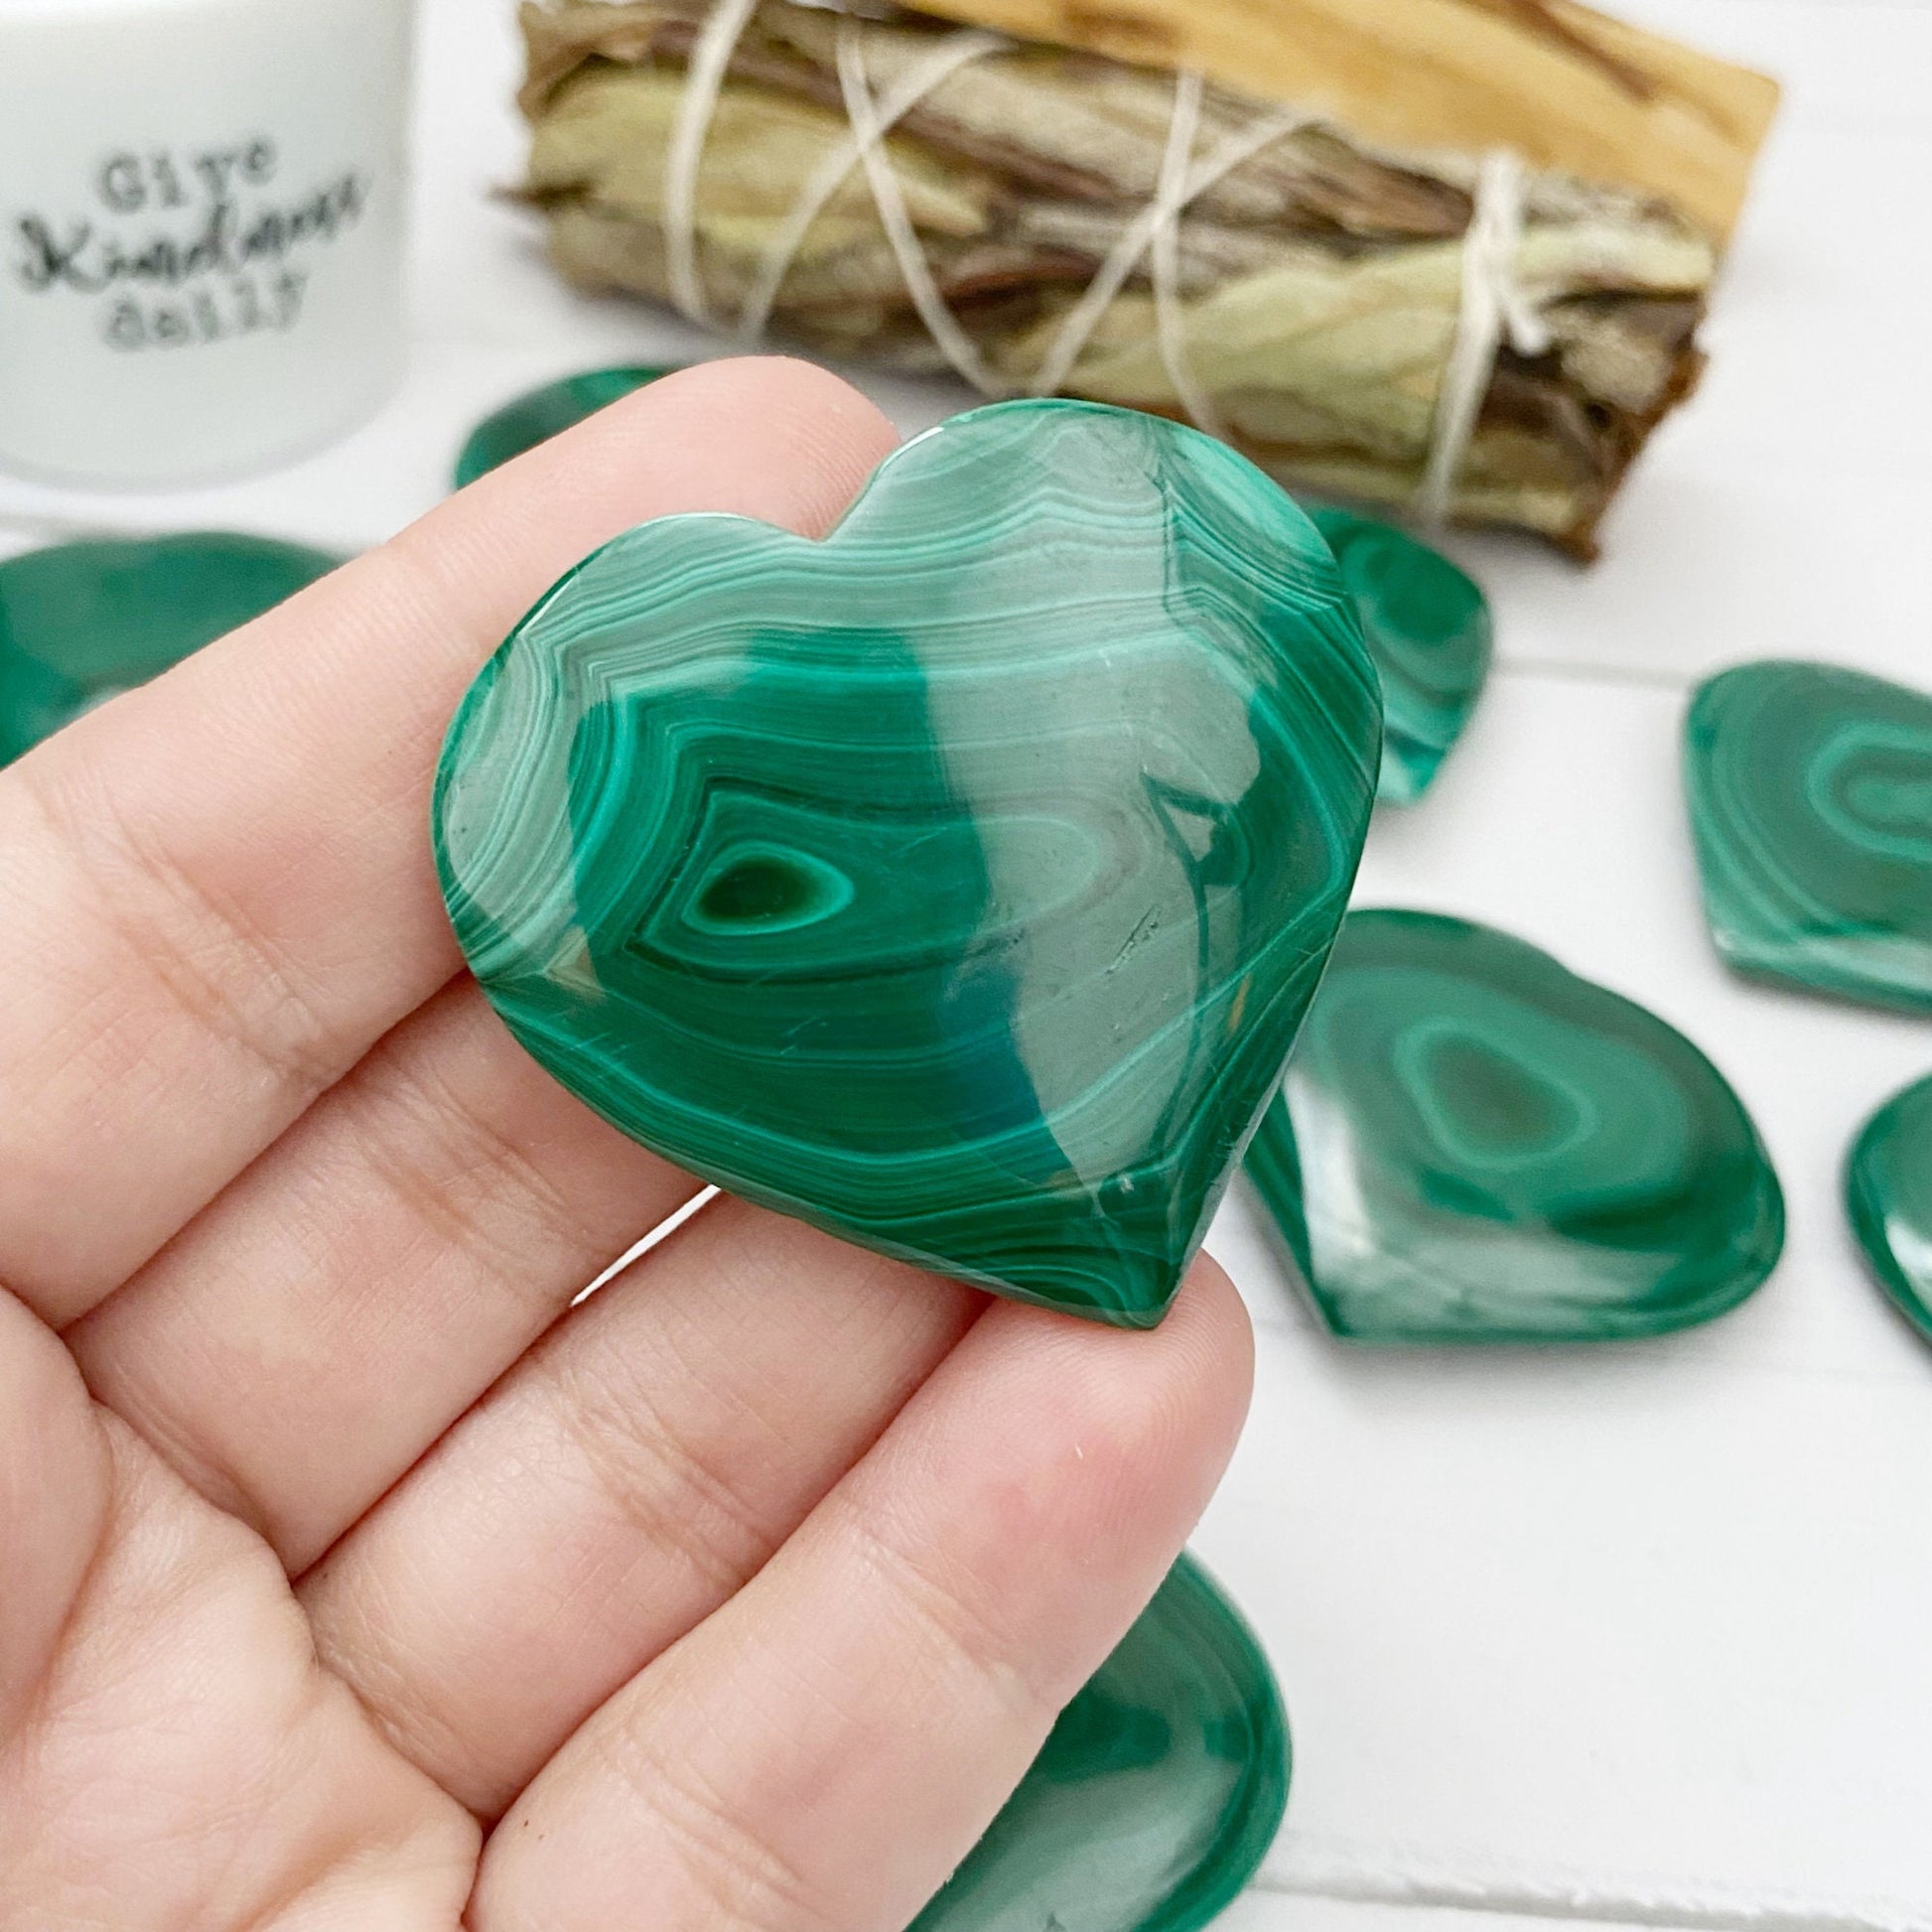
point(1888, 1195)
point(1428, 629)
point(540, 414)
point(1158, 1791)
point(1474, 1145)
point(1809, 794)
point(81, 621)
point(958, 883)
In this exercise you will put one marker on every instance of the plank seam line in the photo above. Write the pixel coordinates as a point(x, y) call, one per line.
point(1574, 1905)
point(1554, 670)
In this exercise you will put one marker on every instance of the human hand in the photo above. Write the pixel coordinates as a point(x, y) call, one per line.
point(349, 1577)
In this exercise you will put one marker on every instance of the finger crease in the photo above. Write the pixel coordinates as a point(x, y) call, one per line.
point(751, 1885)
point(661, 1485)
point(969, 1637)
point(475, 1189)
point(283, 1032)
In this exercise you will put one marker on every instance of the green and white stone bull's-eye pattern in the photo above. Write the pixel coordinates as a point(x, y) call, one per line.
point(81, 621)
point(1810, 792)
point(1158, 1794)
point(1473, 1143)
point(1888, 1197)
point(957, 883)
point(1428, 629)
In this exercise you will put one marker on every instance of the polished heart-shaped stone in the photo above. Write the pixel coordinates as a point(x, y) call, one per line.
point(1158, 1794)
point(1474, 1145)
point(957, 883)
point(1888, 1197)
point(1428, 631)
point(539, 414)
point(1810, 791)
point(81, 621)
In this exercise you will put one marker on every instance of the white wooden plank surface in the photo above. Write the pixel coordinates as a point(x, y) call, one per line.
point(1624, 1629)
point(1634, 1636)
point(1279, 1911)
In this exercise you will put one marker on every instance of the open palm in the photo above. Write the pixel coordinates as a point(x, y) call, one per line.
point(348, 1576)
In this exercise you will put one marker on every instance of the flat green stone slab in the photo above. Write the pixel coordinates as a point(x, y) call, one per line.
point(956, 883)
point(540, 414)
point(1428, 629)
point(1888, 1197)
point(1810, 792)
point(1474, 1145)
point(1158, 1791)
point(81, 621)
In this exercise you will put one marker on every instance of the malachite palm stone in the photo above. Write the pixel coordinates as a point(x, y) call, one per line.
point(81, 621)
point(1428, 629)
point(1809, 794)
point(1158, 1791)
point(1474, 1145)
point(1888, 1195)
point(957, 883)
point(542, 413)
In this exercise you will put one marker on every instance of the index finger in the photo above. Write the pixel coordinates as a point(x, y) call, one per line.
point(219, 888)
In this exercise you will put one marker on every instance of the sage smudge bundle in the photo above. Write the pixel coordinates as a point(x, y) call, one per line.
point(1471, 331)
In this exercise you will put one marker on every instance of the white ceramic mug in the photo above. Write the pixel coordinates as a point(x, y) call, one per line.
point(201, 231)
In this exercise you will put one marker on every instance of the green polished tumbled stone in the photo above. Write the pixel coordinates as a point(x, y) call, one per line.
point(81, 621)
point(1474, 1145)
point(542, 413)
point(1888, 1195)
point(1157, 1795)
point(957, 883)
point(1810, 792)
point(1428, 631)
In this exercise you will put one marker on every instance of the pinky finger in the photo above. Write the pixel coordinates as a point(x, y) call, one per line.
point(825, 1750)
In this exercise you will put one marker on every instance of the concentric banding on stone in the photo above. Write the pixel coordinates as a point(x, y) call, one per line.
point(1039, 787)
point(541, 413)
point(81, 621)
point(1888, 1197)
point(1473, 1143)
point(1809, 794)
point(1428, 629)
point(1158, 1791)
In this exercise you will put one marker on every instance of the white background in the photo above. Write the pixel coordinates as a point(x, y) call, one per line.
point(1637, 1635)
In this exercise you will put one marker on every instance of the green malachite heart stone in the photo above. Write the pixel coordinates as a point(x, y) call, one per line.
point(957, 884)
point(1474, 1145)
point(81, 621)
point(1427, 631)
point(1889, 1194)
point(1158, 1791)
point(1810, 794)
point(540, 414)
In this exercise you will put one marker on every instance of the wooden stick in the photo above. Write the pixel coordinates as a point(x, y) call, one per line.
point(1563, 86)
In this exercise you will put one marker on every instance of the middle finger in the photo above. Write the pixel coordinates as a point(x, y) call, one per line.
point(620, 1483)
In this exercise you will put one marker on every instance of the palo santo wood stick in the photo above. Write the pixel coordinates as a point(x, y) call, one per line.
point(1566, 87)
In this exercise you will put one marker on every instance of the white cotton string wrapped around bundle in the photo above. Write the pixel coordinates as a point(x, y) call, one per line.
point(703, 78)
point(1171, 194)
point(954, 343)
point(956, 50)
point(1491, 306)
